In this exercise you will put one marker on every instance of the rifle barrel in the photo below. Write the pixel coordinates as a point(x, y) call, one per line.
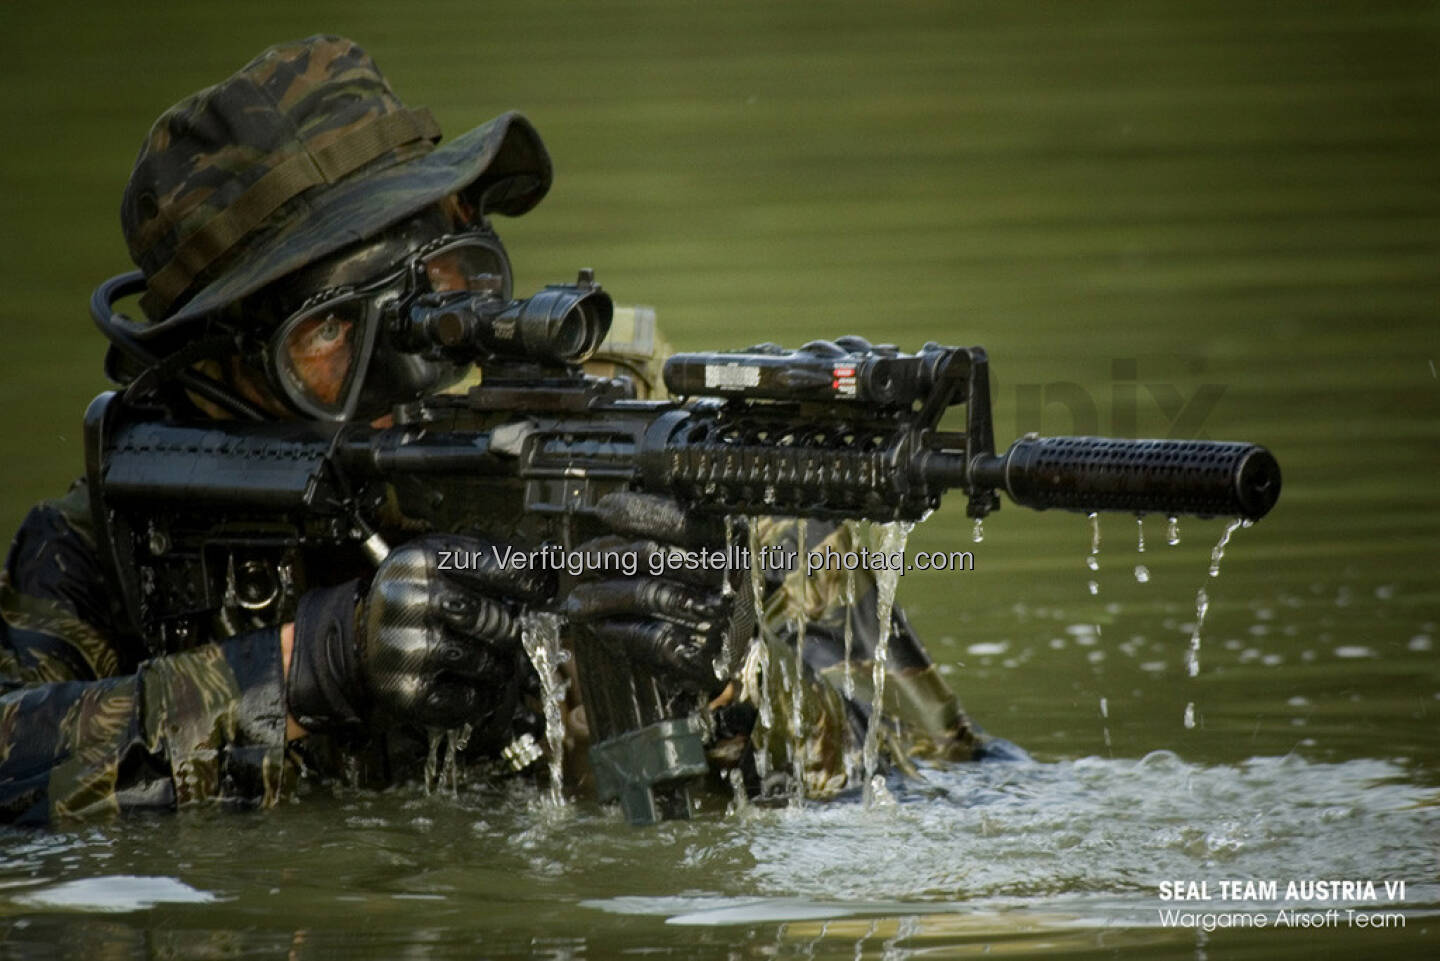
point(1208, 478)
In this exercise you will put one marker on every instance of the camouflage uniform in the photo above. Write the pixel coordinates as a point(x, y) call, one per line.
point(86, 730)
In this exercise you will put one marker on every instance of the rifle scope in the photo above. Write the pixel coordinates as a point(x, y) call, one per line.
point(564, 324)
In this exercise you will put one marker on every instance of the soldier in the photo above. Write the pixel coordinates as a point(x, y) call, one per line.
point(272, 216)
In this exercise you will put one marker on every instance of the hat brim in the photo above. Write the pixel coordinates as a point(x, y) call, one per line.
point(501, 167)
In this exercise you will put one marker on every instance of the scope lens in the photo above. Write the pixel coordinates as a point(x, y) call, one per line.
point(568, 339)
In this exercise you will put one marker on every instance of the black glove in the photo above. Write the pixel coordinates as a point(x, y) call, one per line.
point(676, 622)
point(436, 637)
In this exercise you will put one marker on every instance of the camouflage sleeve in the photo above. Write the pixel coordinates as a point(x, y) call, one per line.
point(837, 613)
point(87, 732)
point(202, 726)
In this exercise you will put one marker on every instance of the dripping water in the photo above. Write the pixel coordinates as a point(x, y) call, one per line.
point(1142, 573)
point(1202, 599)
point(1105, 716)
point(726, 658)
point(445, 774)
point(847, 683)
point(540, 633)
point(1190, 716)
point(847, 678)
point(978, 533)
point(755, 674)
point(1093, 560)
point(432, 758)
point(1218, 553)
point(1192, 656)
point(891, 540)
point(455, 741)
point(740, 800)
point(1172, 532)
point(800, 622)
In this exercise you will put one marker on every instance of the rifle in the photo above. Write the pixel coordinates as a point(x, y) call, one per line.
point(204, 521)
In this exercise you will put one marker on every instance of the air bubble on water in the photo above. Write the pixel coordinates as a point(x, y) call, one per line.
point(1172, 531)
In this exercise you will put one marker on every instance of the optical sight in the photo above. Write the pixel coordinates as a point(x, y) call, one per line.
point(562, 324)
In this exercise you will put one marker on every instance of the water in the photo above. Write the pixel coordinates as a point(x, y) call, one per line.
point(755, 679)
point(1041, 858)
point(1217, 554)
point(541, 636)
point(848, 596)
point(799, 625)
point(725, 661)
point(891, 540)
point(1202, 599)
point(1222, 193)
point(1142, 573)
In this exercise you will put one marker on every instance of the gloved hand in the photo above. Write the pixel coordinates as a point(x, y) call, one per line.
point(433, 640)
point(678, 621)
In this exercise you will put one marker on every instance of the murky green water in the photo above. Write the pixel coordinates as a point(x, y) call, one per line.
point(1211, 218)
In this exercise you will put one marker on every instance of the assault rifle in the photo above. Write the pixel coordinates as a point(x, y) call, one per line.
point(215, 520)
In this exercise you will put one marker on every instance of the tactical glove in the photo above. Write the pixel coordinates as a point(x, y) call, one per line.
point(676, 621)
point(437, 635)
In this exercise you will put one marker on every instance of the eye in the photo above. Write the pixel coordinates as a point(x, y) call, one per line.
point(330, 330)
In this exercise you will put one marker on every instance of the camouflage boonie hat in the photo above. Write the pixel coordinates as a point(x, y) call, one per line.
point(303, 151)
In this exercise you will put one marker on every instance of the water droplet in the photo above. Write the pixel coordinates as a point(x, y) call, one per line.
point(1218, 553)
point(1142, 573)
point(977, 534)
point(1190, 716)
point(1094, 587)
point(1092, 562)
point(1172, 532)
point(1140, 534)
point(1192, 657)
